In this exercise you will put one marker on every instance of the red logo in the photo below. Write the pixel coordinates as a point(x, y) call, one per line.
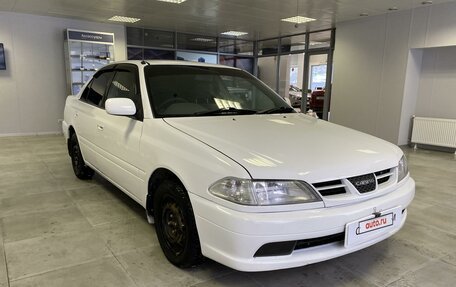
point(375, 223)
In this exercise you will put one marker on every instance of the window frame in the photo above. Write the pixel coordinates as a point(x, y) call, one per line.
point(107, 69)
point(131, 68)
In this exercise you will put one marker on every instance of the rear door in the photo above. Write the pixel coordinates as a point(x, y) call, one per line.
point(88, 114)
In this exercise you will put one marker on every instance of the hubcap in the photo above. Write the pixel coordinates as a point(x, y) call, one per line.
point(174, 228)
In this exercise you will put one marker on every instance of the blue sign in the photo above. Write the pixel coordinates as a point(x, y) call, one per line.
point(90, 36)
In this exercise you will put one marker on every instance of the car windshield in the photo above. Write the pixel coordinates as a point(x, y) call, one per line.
point(194, 91)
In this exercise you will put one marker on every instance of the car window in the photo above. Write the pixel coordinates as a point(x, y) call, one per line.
point(85, 93)
point(98, 87)
point(124, 85)
point(246, 93)
point(183, 91)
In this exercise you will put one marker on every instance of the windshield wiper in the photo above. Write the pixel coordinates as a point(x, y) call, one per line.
point(279, 110)
point(226, 111)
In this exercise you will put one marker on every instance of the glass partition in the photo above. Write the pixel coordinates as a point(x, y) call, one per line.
point(235, 46)
point(320, 40)
point(268, 47)
point(291, 65)
point(244, 63)
point(162, 39)
point(196, 42)
point(293, 43)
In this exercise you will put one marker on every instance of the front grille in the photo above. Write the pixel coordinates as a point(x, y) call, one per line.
point(328, 188)
point(383, 176)
point(364, 183)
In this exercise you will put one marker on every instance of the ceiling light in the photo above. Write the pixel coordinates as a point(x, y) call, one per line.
point(393, 9)
point(173, 1)
point(298, 19)
point(364, 14)
point(124, 19)
point(234, 33)
point(426, 2)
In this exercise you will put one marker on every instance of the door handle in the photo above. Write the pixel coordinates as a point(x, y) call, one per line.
point(100, 128)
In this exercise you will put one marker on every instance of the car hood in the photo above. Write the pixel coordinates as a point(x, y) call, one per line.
point(291, 146)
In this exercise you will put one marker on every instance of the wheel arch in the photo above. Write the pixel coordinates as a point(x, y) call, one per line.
point(157, 177)
point(71, 131)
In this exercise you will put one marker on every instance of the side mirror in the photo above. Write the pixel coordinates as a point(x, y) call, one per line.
point(120, 107)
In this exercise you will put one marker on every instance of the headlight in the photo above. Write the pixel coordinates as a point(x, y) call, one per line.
point(402, 169)
point(263, 192)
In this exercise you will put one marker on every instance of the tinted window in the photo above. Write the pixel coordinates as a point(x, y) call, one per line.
point(85, 93)
point(98, 88)
point(124, 85)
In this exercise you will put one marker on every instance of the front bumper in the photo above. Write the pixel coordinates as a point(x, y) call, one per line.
point(232, 237)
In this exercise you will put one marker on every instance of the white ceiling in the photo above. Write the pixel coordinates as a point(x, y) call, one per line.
point(261, 18)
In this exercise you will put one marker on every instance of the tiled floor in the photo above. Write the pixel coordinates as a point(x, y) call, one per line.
point(56, 230)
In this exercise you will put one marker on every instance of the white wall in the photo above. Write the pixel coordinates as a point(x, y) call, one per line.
point(33, 88)
point(437, 84)
point(267, 71)
point(370, 67)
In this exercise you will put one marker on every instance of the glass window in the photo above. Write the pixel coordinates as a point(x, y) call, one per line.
point(294, 43)
point(197, 57)
point(135, 36)
point(318, 77)
point(208, 91)
point(154, 54)
point(154, 38)
point(235, 46)
point(244, 63)
point(196, 42)
point(123, 85)
point(98, 88)
point(320, 40)
point(135, 53)
point(85, 93)
point(268, 47)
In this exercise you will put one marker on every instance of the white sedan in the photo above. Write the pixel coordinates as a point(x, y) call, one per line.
point(206, 150)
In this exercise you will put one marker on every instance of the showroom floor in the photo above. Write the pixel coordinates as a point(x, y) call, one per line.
point(56, 230)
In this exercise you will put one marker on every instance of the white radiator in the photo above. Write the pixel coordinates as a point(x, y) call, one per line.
point(433, 131)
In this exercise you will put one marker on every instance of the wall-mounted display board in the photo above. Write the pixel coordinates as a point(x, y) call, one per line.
point(85, 53)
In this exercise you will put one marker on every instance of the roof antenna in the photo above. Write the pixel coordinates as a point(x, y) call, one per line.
point(145, 62)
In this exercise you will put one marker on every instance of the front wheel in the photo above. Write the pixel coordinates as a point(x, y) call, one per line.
point(175, 225)
point(81, 170)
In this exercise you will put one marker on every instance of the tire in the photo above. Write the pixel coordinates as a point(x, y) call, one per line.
point(81, 170)
point(175, 225)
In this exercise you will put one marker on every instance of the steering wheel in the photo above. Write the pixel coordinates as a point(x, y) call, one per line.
point(163, 106)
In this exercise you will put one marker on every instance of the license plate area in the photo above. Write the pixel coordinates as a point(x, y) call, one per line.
point(371, 227)
point(375, 223)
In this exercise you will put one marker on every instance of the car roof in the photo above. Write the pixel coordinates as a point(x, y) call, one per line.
point(171, 62)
